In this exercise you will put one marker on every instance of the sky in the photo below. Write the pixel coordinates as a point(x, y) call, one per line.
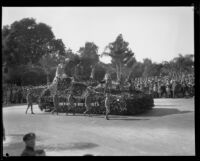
point(157, 33)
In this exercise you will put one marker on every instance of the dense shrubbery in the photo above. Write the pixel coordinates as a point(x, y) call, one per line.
point(138, 103)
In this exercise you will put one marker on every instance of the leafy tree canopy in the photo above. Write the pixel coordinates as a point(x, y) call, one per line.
point(26, 41)
point(120, 53)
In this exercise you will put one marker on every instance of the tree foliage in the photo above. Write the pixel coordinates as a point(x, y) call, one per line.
point(32, 53)
point(88, 58)
point(98, 72)
point(26, 42)
point(89, 53)
point(120, 53)
point(179, 65)
point(70, 68)
point(48, 63)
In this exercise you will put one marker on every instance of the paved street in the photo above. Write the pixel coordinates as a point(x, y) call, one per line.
point(168, 129)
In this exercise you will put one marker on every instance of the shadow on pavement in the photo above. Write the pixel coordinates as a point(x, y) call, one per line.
point(155, 112)
point(126, 119)
point(162, 112)
point(166, 105)
point(120, 117)
point(69, 146)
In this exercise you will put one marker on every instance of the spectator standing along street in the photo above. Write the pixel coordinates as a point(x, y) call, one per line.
point(30, 101)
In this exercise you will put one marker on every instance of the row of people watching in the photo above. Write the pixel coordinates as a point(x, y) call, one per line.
point(13, 94)
point(168, 87)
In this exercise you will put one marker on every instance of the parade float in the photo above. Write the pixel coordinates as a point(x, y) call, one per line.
point(123, 101)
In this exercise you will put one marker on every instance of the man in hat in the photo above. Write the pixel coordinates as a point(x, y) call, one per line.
point(29, 140)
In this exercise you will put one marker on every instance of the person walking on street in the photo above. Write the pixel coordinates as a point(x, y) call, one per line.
point(107, 105)
point(29, 99)
point(56, 103)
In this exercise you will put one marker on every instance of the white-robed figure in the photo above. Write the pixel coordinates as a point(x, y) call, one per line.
point(60, 71)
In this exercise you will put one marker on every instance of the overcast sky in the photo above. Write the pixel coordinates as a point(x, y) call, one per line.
point(158, 33)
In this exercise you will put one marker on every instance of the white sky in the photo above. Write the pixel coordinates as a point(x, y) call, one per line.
point(158, 33)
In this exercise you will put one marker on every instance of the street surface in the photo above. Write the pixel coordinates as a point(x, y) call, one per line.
point(168, 129)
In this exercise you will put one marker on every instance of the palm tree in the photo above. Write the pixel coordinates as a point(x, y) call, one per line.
point(120, 53)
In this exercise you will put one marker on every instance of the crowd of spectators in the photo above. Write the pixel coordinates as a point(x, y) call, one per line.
point(13, 94)
point(168, 87)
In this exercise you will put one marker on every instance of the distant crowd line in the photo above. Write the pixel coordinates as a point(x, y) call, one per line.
point(13, 94)
point(168, 87)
